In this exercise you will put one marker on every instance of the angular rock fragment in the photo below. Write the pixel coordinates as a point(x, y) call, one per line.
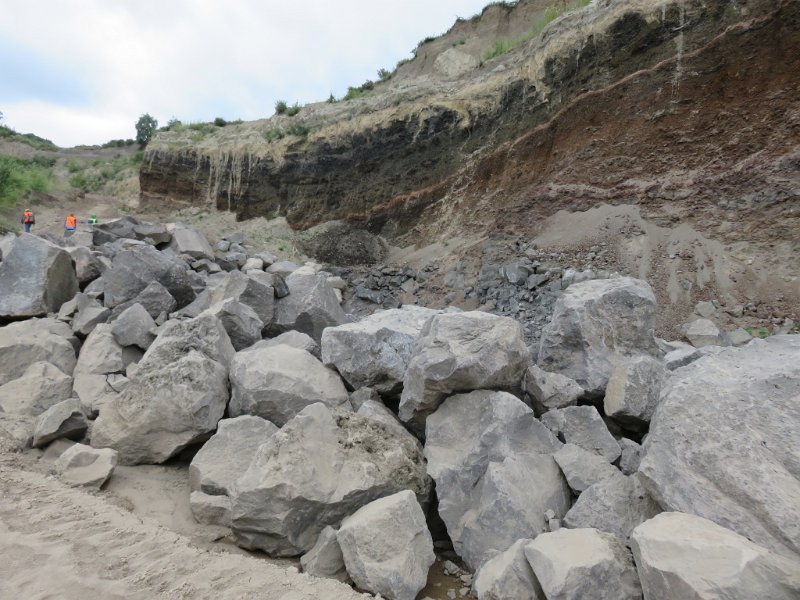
point(508, 576)
point(547, 391)
point(613, 504)
point(310, 307)
point(465, 437)
point(325, 559)
point(63, 420)
point(631, 456)
point(703, 332)
point(88, 266)
point(295, 339)
point(90, 314)
point(82, 465)
point(595, 324)
point(276, 383)
point(251, 291)
point(582, 468)
point(34, 340)
point(584, 427)
point(240, 321)
point(375, 351)
point(228, 453)
point(39, 387)
point(681, 555)
point(460, 352)
point(132, 271)
point(387, 547)
point(134, 327)
point(633, 391)
point(319, 468)
point(191, 242)
point(574, 564)
point(210, 509)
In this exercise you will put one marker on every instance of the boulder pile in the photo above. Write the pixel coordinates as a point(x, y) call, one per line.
point(607, 463)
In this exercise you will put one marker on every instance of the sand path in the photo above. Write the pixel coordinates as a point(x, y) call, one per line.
point(65, 543)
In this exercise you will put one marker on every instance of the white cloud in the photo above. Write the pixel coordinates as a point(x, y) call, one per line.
point(198, 59)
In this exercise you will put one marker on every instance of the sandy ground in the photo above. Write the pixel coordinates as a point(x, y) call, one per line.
point(65, 543)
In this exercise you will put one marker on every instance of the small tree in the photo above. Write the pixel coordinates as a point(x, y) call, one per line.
point(280, 107)
point(145, 128)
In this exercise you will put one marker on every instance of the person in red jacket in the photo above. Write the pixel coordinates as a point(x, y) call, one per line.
point(27, 220)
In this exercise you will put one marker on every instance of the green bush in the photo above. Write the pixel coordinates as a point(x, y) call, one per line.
point(353, 93)
point(298, 129)
point(145, 128)
point(274, 134)
point(293, 109)
point(18, 178)
point(220, 122)
point(384, 75)
point(331, 99)
point(280, 107)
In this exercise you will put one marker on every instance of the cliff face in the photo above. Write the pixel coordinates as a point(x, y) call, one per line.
point(564, 116)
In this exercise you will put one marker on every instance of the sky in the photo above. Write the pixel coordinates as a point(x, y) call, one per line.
point(83, 71)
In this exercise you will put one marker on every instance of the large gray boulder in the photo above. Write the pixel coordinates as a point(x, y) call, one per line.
point(34, 340)
point(110, 231)
point(176, 398)
point(63, 420)
point(310, 307)
point(254, 292)
point(318, 469)
point(467, 440)
point(240, 321)
point(507, 576)
point(375, 351)
point(228, 454)
point(155, 299)
point(36, 278)
point(461, 352)
point(584, 427)
point(595, 325)
point(724, 442)
point(576, 564)
point(191, 242)
point(325, 559)
point(387, 547)
point(81, 465)
point(633, 391)
point(688, 557)
point(277, 382)
point(90, 314)
point(39, 387)
point(546, 391)
point(133, 270)
point(614, 504)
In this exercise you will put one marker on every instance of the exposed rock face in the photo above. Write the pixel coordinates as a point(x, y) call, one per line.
point(39, 387)
point(375, 351)
point(35, 340)
point(597, 324)
point(508, 576)
point(133, 270)
point(177, 396)
point(468, 440)
point(228, 454)
point(82, 465)
point(681, 555)
point(325, 558)
point(310, 307)
point(387, 547)
point(572, 564)
point(724, 443)
point(315, 471)
point(462, 352)
point(36, 277)
point(276, 383)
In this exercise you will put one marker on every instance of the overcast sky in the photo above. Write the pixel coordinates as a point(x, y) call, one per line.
point(83, 71)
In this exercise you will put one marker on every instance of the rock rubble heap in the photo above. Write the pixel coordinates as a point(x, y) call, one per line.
point(603, 465)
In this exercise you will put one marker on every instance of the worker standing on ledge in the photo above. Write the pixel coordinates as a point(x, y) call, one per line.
point(70, 224)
